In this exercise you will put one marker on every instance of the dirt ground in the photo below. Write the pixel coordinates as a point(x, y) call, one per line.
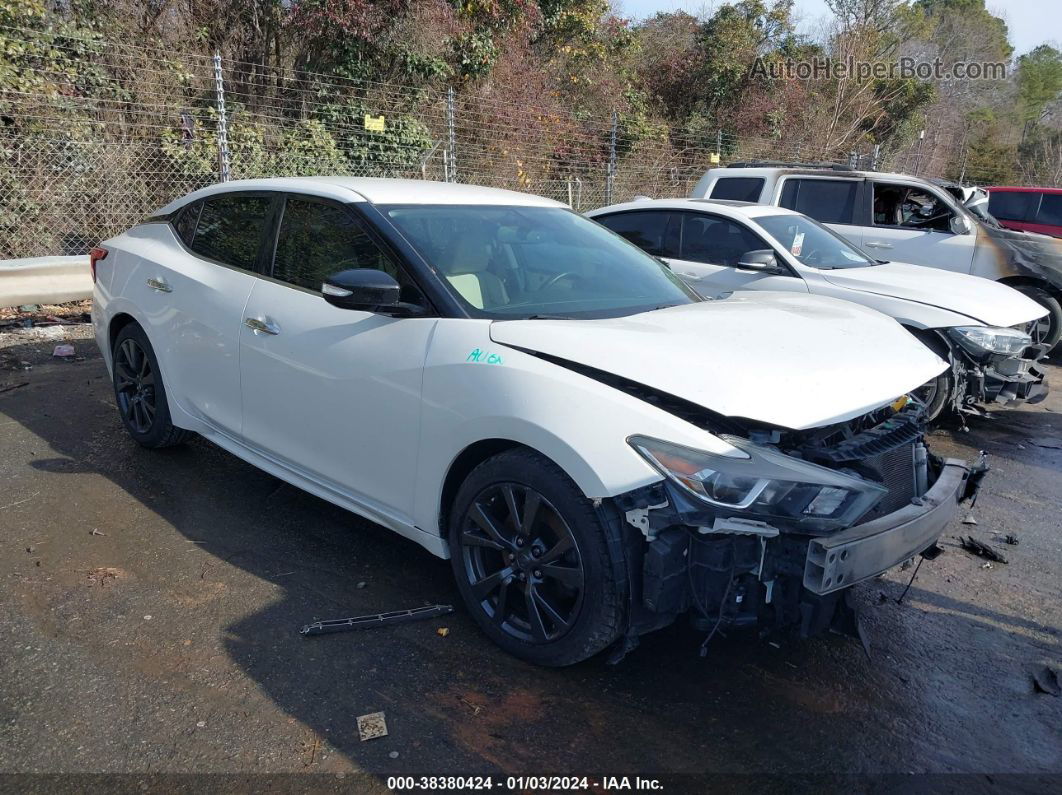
point(151, 603)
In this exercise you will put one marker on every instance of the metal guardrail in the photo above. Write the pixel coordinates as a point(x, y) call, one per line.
point(44, 280)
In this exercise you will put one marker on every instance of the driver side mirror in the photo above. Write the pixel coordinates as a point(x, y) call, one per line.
point(960, 225)
point(762, 260)
point(367, 290)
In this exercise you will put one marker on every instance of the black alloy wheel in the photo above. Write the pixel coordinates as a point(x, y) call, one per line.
point(134, 386)
point(522, 563)
point(139, 391)
point(540, 567)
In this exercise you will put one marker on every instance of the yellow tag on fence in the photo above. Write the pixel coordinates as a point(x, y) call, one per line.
point(714, 158)
point(375, 123)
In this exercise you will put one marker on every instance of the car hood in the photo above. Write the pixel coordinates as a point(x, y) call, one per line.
point(983, 300)
point(796, 361)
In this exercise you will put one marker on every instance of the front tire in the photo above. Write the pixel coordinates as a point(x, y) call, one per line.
point(140, 393)
point(533, 561)
point(1049, 329)
point(938, 393)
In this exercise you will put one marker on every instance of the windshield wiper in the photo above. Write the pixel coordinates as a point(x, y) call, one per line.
point(548, 317)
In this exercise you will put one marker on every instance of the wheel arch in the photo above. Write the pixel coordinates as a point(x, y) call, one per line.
point(114, 328)
point(576, 468)
point(461, 467)
point(1032, 281)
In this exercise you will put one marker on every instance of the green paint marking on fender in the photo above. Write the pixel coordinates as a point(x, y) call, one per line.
point(483, 357)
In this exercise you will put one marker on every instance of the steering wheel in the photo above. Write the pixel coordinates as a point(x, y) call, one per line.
point(558, 277)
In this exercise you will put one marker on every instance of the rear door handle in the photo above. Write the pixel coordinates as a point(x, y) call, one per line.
point(160, 285)
point(261, 326)
point(877, 244)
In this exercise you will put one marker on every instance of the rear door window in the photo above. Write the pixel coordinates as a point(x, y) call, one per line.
point(742, 189)
point(1050, 210)
point(317, 240)
point(186, 220)
point(828, 201)
point(230, 229)
point(717, 241)
point(645, 229)
point(1011, 205)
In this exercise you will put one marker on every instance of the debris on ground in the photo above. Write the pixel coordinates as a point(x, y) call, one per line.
point(96, 532)
point(1011, 539)
point(969, 519)
point(981, 549)
point(1046, 681)
point(1047, 444)
point(9, 387)
point(372, 726)
point(375, 620)
point(37, 316)
point(64, 351)
point(101, 576)
point(361, 585)
point(393, 754)
point(442, 632)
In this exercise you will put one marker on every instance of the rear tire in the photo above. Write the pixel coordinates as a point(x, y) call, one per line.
point(534, 560)
point(1050, 328)
point(140, 393)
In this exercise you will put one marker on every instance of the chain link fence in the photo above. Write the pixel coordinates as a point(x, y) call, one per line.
point(95, 135)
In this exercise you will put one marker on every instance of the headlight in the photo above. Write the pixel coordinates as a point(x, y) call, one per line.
point(985, 340)
point(763, 484)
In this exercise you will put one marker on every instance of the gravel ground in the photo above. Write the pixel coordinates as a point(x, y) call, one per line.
point(152, 602)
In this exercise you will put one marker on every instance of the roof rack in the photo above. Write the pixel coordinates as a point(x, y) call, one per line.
point(785, 164)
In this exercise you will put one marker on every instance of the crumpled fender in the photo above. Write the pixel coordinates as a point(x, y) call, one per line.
point(1002, 253)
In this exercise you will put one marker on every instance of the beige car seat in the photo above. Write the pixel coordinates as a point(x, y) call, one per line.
point(467, 269)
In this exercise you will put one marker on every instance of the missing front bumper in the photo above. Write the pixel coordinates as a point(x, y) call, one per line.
point(858, 553)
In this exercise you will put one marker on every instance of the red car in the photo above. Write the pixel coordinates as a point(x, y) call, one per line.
point(1028, 209)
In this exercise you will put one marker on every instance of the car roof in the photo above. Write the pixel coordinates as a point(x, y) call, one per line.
point(810, 171)
point(725, 207)
point(375, 190)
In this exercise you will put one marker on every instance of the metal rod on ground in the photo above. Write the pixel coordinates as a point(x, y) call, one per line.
point(223, 128)
point(375, 620)
point(909, 584)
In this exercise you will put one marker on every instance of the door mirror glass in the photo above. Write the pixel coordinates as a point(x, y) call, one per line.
point(762, 260)
point(960, 225)
point(362, 288)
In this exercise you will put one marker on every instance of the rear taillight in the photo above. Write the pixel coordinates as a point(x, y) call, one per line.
point(95, 256)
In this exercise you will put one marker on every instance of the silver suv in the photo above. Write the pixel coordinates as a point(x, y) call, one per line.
point(900, 218)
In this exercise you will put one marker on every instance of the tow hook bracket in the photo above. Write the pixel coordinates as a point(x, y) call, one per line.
point(639, 518)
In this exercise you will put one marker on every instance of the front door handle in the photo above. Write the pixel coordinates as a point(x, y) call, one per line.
point(261, 326)
point(877, 244)
point(160, 285)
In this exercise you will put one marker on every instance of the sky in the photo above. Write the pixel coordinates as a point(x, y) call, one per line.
point(1030, 22)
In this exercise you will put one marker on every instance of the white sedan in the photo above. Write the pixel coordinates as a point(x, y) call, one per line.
point(596, 449)
point(978, 326)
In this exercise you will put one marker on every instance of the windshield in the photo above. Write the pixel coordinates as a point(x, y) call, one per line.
point(522, 262)
point(813, 244)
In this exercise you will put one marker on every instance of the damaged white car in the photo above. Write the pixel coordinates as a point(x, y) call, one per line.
point(596, 449)
point(980, 327)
